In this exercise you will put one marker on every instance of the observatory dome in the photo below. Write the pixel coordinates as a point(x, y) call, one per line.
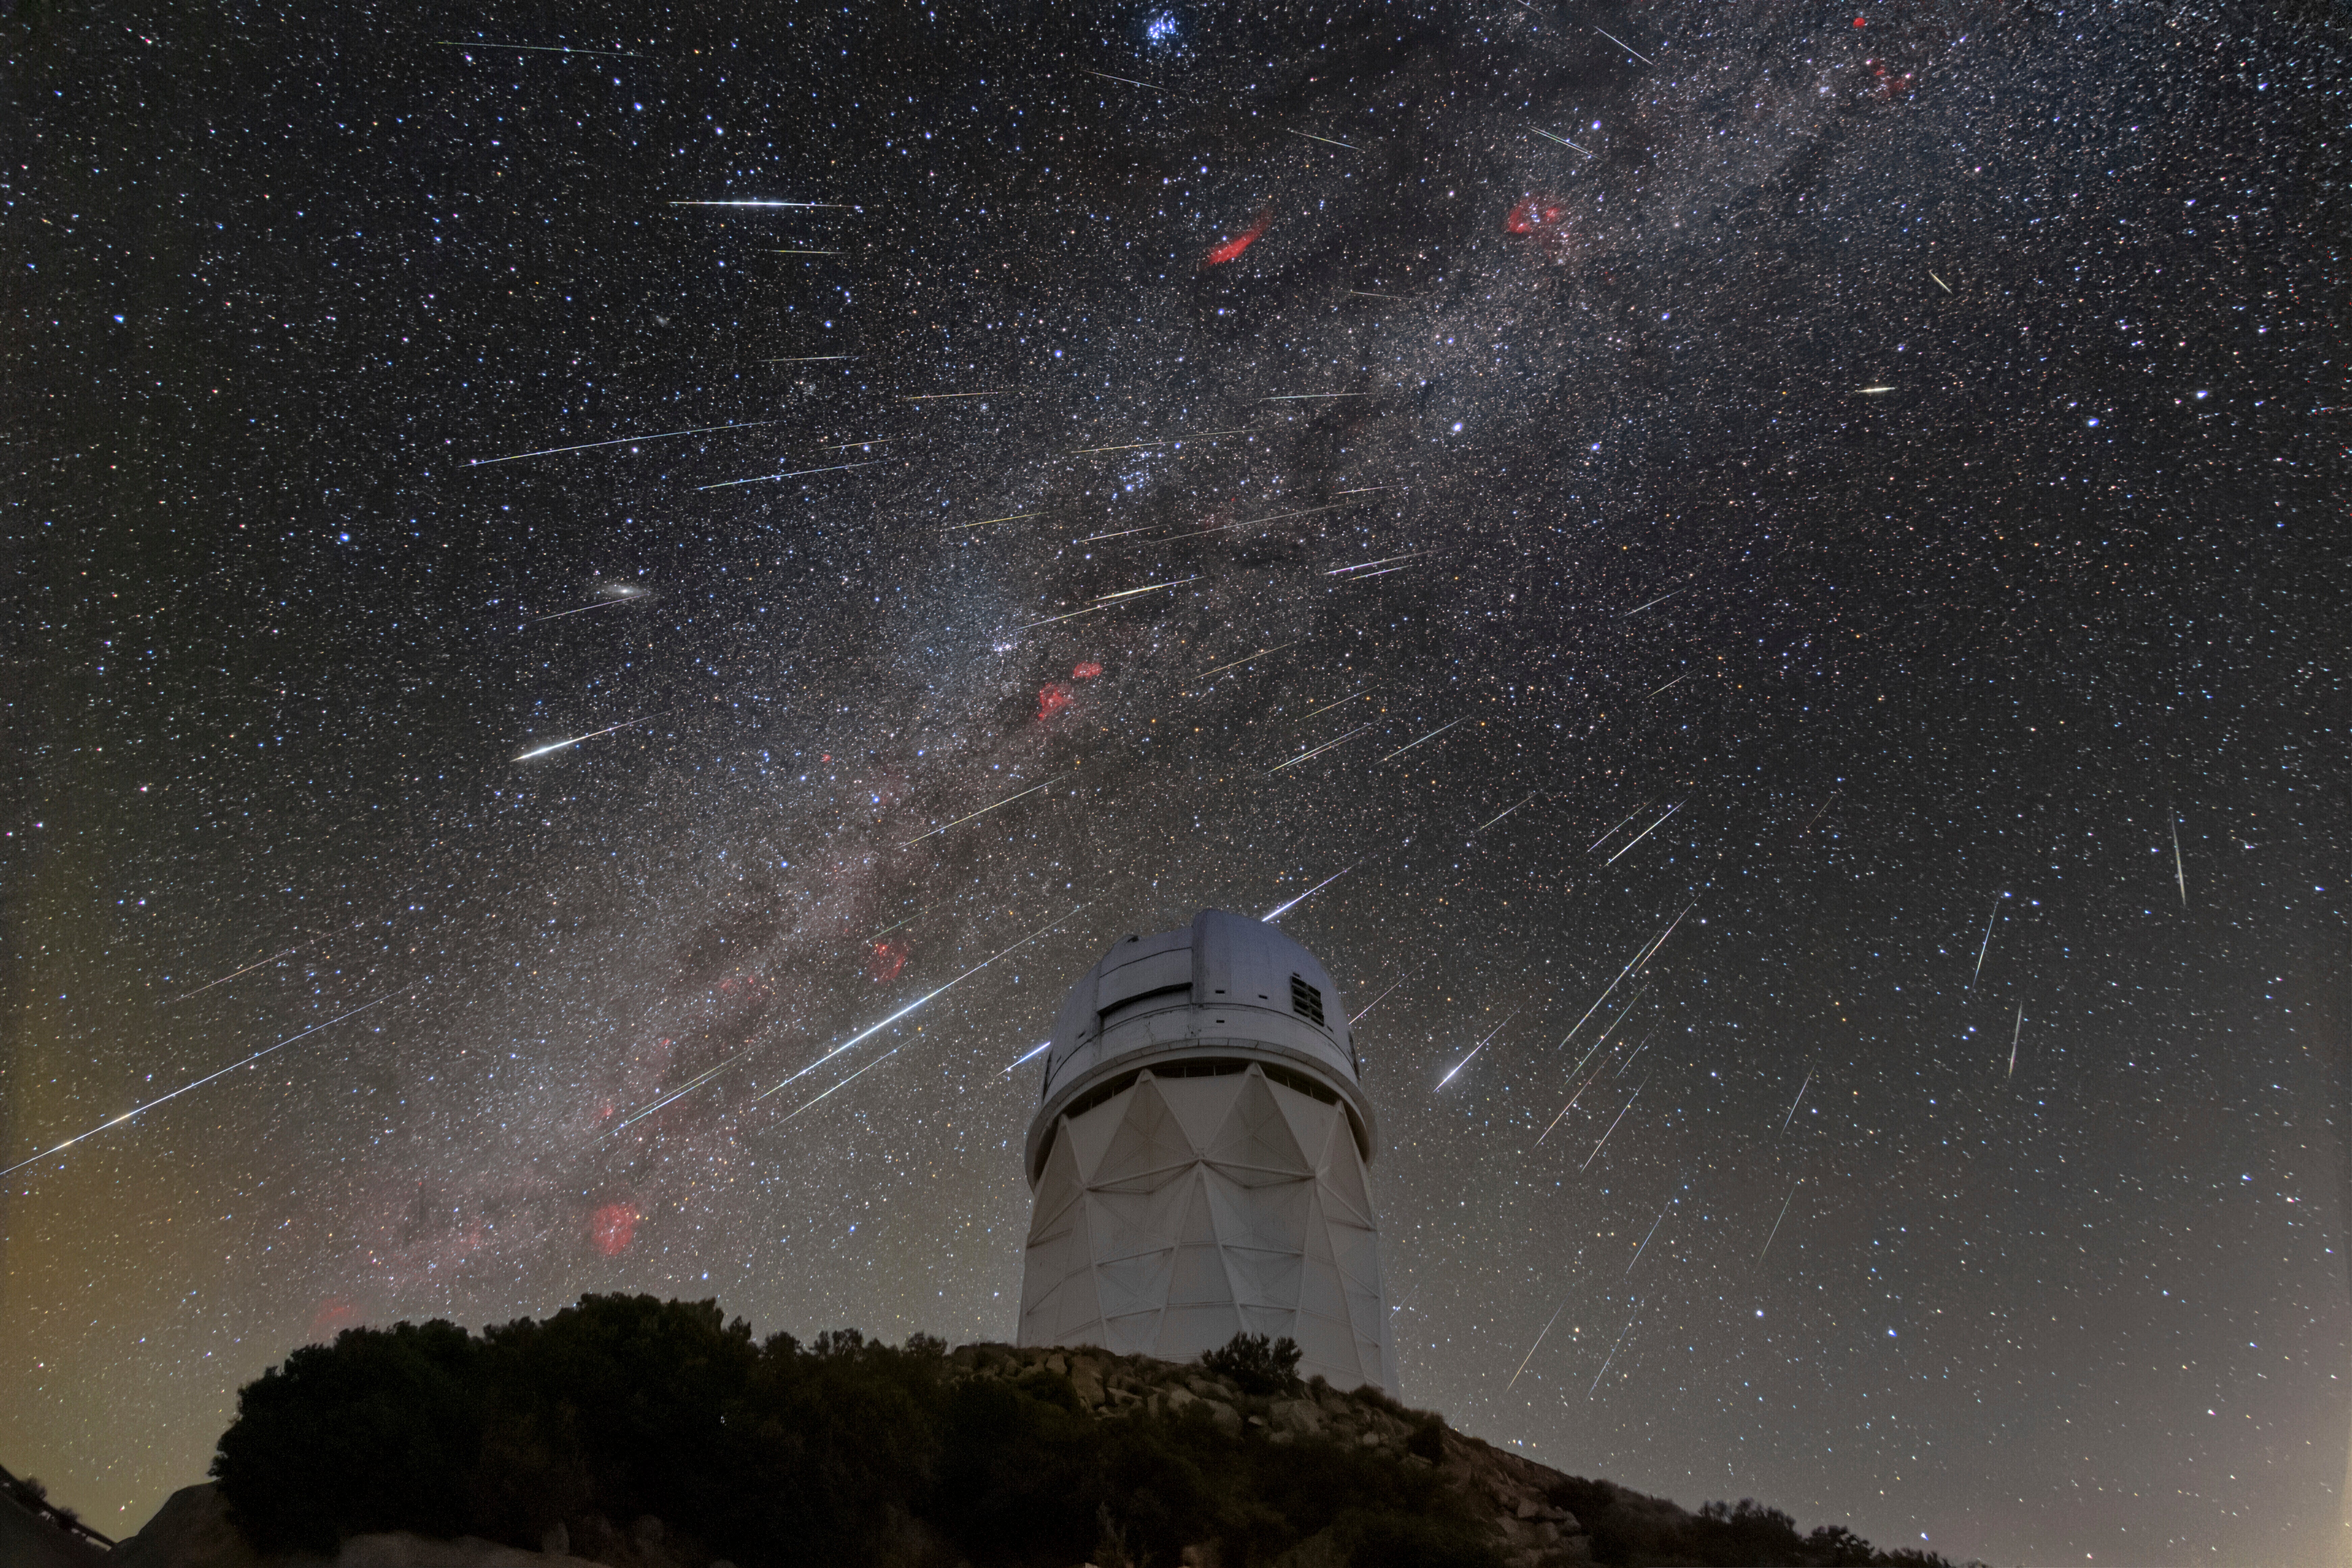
point(1199, 1155)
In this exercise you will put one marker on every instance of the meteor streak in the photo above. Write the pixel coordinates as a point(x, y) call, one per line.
point(1633, 963)
point(1645, 1240)
point(796, 473)
point(1659, 600)
point(1612, 832)
point(1029, 1055)
point(1049, 620)
point(1401, 751)
point(1613, 1126)
point(1624, 45)
point(1561, 140)
point(246, 970)
point(1147, 588)
point(805, 359)
point(1473, 1051)
point(539, 49)
point(2178, 870)
point(936, 396)
point(1326, 140)
point(753, 203)
point(983, 522)
point(1328, 706)
point(1239, 662)
point(983, 811)
point(1799, 1100)
point(1279, 910)
point(559, 745)
point(616, 441)
point(208, 1078)
point(1984, 944)
point(1669, 686)
point(1383, 560)
point(1375, 1002)
point(2013, 1033)
point(1278, 516)
point(854, 1039)
point(1132, 82)
point(1614, 1349)
point(630, 596)
point(1538, 1345)
point(1778, 1217)
point(1500, 815)
point(845, 1083)
point(1644, 833)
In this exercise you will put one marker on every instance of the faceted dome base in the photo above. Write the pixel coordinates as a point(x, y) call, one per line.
point(1182, 1211)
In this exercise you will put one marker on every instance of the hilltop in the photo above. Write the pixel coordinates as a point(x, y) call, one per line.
point(636, 1433)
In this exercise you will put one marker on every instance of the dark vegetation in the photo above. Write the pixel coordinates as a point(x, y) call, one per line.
point(1256, 1366)
point(625, 1411)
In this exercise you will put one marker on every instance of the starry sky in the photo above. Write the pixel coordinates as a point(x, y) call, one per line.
point(606, 607)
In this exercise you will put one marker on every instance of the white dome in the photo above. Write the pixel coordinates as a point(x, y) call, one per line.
point(1223, 986)
point(1198, 1159)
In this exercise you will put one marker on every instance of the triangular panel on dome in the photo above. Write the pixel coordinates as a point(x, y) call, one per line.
point(1090, 1134)
point(1275, 1323)
point(1254, 1146)
point(1149, 1146)
point(1359, 1256)
point(1342, 1170)
point(1201, 1104)
point(1309, 1119)
point(1134, 1284)
point(1197, 1275)
point(1270, 1216)
point(1058, 1187)
point(1321, 1293)
point(1124, 1224)
point(1130, 1333)
point(1263, 1278)
point(1195, 1222)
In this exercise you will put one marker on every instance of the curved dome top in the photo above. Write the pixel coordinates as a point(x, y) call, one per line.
point(1224, 987)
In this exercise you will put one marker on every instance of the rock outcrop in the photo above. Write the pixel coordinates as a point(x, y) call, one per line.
point(1533, 1528)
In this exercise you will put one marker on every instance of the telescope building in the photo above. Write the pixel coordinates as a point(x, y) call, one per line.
point(1198, 1159)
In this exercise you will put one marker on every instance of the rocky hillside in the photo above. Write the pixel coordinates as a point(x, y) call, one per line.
point(641, 1434)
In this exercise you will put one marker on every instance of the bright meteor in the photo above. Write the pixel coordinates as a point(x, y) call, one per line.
point(862, 1035)
point(138, 1109)
point(559, 745)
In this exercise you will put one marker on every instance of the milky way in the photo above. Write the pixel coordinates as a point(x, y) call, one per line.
point(639, 560)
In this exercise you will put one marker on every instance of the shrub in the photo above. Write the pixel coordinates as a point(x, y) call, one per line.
point(1255, 1365)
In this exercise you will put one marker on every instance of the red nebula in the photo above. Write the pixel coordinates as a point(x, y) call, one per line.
point(1545, 219)
point(1219, 255)
point(1052, 697)
point(889, 957)
point(1085, 671)
point(615, 1226)
point(1532, 214)
point(335, 1314)
point(1859, 23)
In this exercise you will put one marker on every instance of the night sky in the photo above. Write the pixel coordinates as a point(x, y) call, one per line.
point(1860, 492)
